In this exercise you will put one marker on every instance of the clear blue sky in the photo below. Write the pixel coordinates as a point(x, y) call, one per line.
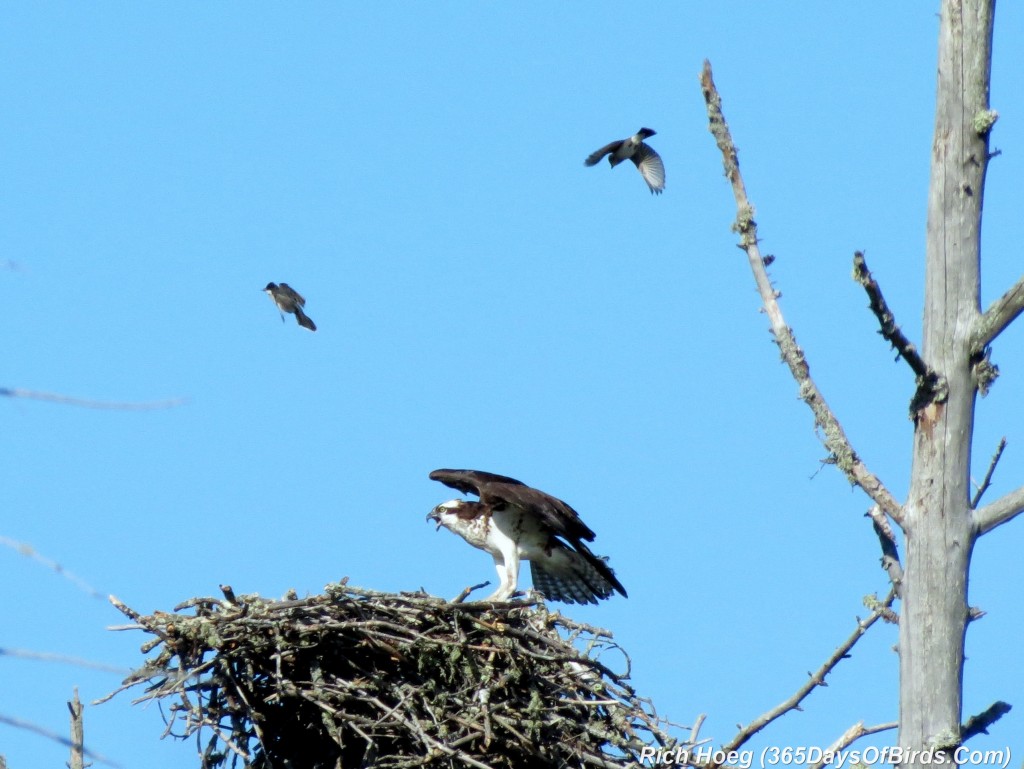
point(484, 301)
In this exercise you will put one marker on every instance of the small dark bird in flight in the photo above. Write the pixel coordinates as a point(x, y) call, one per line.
point(289, 300)
point(513, 522)
point(647, 161)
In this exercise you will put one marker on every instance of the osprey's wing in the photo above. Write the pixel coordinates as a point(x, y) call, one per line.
point(470, 481)
point(574, 577)
point(648, 162)
point(500, 491)
point(554, 514)
point(562, 521)
point(595, 157)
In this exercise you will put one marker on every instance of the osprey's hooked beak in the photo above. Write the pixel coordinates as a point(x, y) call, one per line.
point(433, 515)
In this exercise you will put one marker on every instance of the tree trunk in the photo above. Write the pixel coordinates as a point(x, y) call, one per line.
point(937, 518)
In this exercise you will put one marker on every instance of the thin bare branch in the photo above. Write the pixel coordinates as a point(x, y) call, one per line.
point(64, 659)
point(1004, 509)
point(987, 480)
point(49, 734)
point(815, 679)
point(980, 723)
point(886, 320)
point(850, 736)
point(997, 317)
point(930, 386)
point(14, 392)
point(28, 551)
point(835, 440)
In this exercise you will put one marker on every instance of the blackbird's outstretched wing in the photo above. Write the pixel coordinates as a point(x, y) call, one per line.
point(292, 294)
point(595, 157)
point(648, 162)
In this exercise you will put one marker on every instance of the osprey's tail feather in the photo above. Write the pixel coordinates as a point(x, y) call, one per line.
point(571, 577)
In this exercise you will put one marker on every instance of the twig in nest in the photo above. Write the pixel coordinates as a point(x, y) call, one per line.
point(465, 593)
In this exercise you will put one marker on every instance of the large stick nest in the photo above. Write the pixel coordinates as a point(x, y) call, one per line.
point(356, 678)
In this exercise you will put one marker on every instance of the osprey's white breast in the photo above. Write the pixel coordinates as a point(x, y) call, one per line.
point(522, 530)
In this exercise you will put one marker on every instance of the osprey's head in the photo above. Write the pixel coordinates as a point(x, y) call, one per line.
point(446, 513)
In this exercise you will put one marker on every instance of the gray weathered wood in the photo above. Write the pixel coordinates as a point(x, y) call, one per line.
point(938, 521)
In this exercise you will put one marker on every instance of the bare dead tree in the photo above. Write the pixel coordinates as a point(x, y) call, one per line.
point(940, 520)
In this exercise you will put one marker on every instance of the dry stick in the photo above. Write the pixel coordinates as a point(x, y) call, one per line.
point(889, 330)
point(815, 679)
point(930, 386)
point(466, 591)
point(77, 733)
point(849, 737)
point(835, 440)
point(1004, 509)
point(997, 317)
point(987, 480)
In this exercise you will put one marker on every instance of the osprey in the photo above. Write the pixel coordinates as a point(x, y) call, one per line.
point(513, 522)
point(647, 161)
point(289, 300)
